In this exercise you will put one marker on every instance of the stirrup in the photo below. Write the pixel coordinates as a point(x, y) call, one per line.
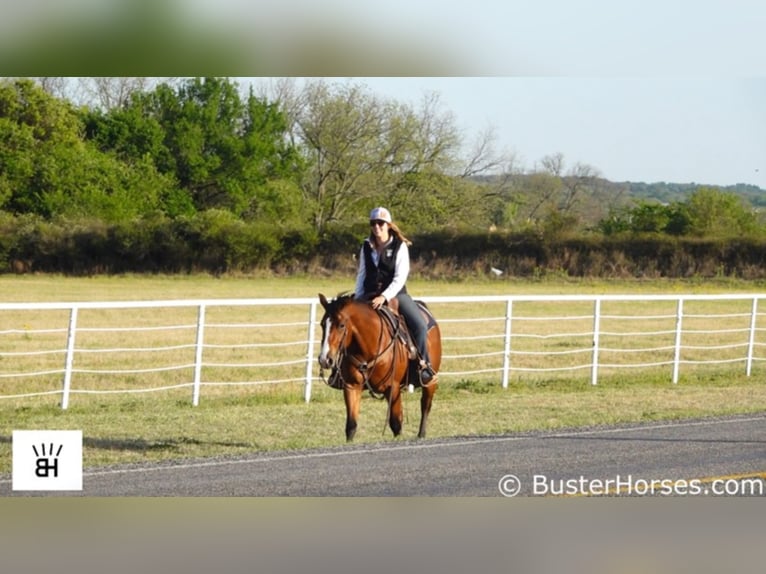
point(426, 372)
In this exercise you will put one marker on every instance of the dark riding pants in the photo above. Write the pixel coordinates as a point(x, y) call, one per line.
point(415, 323)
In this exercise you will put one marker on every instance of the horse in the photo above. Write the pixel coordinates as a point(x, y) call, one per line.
point(367, 349)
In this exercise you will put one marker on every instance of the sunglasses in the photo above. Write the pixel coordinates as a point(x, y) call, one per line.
point(378, 222)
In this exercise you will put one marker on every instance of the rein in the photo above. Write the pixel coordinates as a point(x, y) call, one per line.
point(364, 367)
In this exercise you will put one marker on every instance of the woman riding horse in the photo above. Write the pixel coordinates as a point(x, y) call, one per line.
point(365, 351)
point(384, 265)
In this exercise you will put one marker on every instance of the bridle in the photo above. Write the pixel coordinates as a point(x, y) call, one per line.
point(364, 367)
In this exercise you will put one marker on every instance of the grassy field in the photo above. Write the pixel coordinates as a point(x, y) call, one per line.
point(232, 420)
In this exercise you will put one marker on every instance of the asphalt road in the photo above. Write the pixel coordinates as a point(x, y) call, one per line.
point(714, 456)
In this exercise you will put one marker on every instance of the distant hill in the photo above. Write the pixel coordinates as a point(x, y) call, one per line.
point(670, 192)
point(663, 192)
point(603, 196)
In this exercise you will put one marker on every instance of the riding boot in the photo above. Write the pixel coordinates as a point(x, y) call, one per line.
point(426, 372)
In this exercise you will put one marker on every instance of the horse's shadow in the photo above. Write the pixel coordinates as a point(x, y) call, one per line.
point(142, 445)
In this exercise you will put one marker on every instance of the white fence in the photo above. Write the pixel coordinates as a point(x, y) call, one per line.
point(149, 346)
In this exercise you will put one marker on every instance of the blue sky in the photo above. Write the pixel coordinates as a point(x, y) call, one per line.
point(708, 130)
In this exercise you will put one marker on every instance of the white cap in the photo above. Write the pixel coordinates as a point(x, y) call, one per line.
point(380, 213)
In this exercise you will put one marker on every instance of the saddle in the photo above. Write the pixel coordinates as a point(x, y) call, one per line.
point(397, 326)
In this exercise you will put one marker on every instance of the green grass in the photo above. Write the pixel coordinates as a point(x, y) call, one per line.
point(138, 287)
point(236, 420)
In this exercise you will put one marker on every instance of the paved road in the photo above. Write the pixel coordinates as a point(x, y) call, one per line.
point(595, 461)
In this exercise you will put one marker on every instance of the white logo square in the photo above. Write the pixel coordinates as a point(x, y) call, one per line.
point(47, 460)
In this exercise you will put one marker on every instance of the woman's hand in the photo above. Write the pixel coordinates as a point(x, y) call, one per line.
point(378, 302)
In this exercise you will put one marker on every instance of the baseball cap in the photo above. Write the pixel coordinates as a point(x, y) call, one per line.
point(380, 213)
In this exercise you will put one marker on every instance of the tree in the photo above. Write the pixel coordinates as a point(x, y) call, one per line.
point(37, 135)
point(541, 191)
point(361, 150)
point(709, 212)
point(647, 217)
point(221, 150)
point(651, 217)
point(46, 167)
point(341, 135)
point(712, 212)
point(108, 93)
point(58, 87)
point(551, 192)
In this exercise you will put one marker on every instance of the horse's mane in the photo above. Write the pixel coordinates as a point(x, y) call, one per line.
point(340, 301)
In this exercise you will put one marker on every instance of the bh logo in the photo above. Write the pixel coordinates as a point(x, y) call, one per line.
point(47, 460)
point(44, 466)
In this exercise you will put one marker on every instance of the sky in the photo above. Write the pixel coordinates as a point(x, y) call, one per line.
point(651, 129)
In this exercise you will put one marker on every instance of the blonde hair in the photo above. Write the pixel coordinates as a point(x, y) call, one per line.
point(398, 232)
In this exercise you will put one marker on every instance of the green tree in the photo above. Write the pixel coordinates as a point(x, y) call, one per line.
point(651, 217)
point(712, 212)
point(362, 150)
point(46, 168)
point(128, 132)
point(35, 128)
point(647, 217)
point(223, 150)
point(709, 212)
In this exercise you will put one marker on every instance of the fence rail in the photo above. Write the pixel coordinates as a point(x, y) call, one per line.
point(151, 346)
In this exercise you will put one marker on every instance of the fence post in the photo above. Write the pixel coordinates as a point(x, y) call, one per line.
point(310, 353)
point(596, 333)
point(69, 357)
point(507, 346)
point(751, 341)
point(677, 355)
point(198, 354)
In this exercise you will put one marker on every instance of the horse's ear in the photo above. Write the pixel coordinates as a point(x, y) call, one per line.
point(323, 300)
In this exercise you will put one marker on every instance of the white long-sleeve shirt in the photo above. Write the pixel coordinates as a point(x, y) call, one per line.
point(401, 271)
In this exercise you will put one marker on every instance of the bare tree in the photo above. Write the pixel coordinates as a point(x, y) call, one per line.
point(553, 164)
point(542, 190)
point(59, 87)
point(559, 190)
point(483, 159)
point(436, 136)
point(340, 128)
point(362, 147)
point(577, 182)
point(108, 93)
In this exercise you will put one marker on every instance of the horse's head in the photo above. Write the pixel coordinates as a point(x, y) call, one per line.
point(336, 334)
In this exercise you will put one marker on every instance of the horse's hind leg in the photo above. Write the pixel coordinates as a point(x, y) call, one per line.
point(352, 396)
point(395, 411)
point(426, 398)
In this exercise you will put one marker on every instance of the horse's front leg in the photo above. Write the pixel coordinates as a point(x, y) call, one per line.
point(353, 397)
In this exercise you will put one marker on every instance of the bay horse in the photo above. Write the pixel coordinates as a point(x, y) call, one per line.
point(367, 349)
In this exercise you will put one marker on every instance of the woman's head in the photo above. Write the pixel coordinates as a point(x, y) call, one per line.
point(381, 224)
